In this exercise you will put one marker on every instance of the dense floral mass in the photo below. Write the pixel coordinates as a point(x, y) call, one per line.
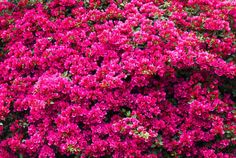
point(118, 78)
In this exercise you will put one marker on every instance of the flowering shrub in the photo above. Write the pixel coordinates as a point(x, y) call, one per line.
point(118, 78)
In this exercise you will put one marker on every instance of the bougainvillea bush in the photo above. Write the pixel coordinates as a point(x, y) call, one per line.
point(113, 78)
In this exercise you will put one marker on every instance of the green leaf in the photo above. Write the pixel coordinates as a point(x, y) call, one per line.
point(128, 113)
point(20, 156)
point(135, 29)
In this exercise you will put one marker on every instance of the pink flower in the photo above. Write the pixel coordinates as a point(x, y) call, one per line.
point(97, 78)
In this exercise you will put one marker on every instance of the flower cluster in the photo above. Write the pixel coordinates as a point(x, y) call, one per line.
point(118, 78)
